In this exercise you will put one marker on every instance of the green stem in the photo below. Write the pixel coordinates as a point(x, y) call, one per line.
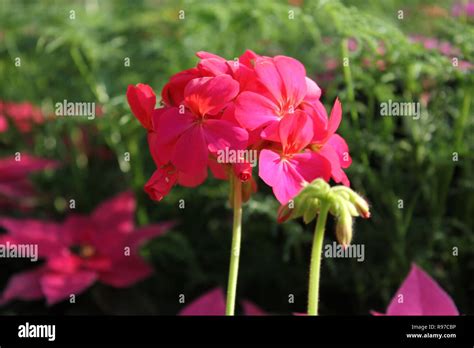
point(348, 80)
point(315, 266)
point(235, 251)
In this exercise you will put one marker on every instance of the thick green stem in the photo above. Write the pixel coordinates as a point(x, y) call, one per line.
point(235, 251)
point(315, 266)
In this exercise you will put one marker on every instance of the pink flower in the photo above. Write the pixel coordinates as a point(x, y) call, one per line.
point(285, 88)
point(223, 105)
point(23, 115)
point(213, 303)
point(285, 169)
point(463, 8)
point(142, 100)
point(325, 140)
point(80, 251)
point(188, 134)
point(3, 123)
point(419, 294)
point(14, 182)
point(210, 65)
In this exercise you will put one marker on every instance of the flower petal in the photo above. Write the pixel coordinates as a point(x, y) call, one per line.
point(142, 101)
point(192, 179)
point(313, 92)
point(335, 117)
point(213, 67)
point(173, 92)
point(46, 235)
point(190, 153)
point(211, 303)
point(332, 156)
point(23, 286)
point(296, 131)
point(280, 175)
point(161, 182)
point(293, 75)
point(169, 126)
point(12, 168)
point(221, 135)
point(253, 110)
point(269, 76)
point(59, 286)
point(342, 150)
point(421, 295)
point(209, 95)
point(251, 308)
point(311, 165)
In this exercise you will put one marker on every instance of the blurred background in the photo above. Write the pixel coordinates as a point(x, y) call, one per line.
point(422, 54)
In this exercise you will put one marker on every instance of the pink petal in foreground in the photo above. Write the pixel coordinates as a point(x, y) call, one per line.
point(211, 303)
point(250, 308)
point(419, 294)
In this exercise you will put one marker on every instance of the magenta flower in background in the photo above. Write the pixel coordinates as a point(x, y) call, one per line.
point(14, 172)
point(419, 294)
point(213, 303)
point(22, 115)
point(103, 246)
point(463, 8)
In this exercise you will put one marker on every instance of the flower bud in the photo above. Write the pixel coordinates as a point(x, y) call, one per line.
point(344, 228)
point(362, 206)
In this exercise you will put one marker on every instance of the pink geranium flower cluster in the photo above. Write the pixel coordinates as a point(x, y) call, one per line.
point(254, 103)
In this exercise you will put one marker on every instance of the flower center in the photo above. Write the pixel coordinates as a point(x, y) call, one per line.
point(85, 251)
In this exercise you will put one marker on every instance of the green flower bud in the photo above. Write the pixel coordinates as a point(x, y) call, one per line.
point(344, 227)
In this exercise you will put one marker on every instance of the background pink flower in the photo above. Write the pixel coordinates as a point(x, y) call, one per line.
point(213, 303)
point(419, 294)
point(83, 249)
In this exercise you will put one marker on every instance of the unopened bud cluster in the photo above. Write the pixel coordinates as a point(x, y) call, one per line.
point(344, 204)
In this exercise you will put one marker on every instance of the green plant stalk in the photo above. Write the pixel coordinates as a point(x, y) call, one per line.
point(235, 250)
point(315, 265)
point(348, 80)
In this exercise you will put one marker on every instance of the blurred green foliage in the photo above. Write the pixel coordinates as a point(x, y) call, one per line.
point(394, 158)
